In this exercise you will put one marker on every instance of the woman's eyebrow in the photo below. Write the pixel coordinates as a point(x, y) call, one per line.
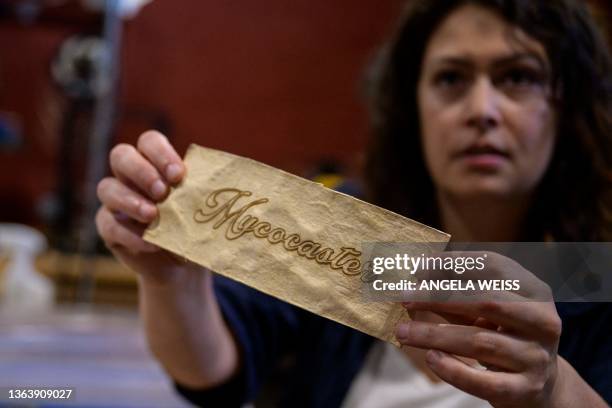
point(469, 62)
point(528, 57)
point(454, 60)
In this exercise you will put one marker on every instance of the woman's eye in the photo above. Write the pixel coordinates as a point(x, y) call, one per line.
point(520, 79)
point(449, 79)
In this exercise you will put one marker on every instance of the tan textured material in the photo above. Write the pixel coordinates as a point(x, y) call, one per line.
point(283, 235)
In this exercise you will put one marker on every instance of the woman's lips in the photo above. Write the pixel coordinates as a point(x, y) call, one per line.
point(486, 158)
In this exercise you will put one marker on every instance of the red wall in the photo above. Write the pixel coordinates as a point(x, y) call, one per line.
point(274, 80)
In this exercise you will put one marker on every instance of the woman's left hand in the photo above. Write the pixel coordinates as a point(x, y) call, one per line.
point(515, 340)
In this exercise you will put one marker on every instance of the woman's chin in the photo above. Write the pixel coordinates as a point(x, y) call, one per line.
point(483, 189)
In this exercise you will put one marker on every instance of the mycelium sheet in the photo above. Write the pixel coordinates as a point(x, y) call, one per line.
point(282, 235)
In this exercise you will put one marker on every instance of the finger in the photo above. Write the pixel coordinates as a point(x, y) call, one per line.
point(128, 165)
point(467, 321)
point(484, 345)
point(491, 386)
point(156, 147)
point(449, 317)
point(117, 197)
point(457, 319)
point(532, 319)
point(485, 324)
point(121, 233)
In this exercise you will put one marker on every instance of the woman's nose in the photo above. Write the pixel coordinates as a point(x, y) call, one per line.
point(482, 106)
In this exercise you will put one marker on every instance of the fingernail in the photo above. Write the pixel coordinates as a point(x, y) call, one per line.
point(158, 189)
point(402, 331)
point(433, 356)
point(134, 203)
point(147, 211)
point(173, 172)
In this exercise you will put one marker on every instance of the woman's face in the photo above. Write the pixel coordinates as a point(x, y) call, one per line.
point(487, 122)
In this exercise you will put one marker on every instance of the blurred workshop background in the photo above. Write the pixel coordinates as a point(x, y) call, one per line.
point(273, 80)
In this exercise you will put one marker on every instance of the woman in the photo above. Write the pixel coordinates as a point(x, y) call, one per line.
point(493, 122)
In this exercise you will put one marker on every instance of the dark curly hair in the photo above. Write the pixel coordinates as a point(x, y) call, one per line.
point(573, 200)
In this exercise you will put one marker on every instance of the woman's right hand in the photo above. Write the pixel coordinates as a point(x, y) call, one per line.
point(142, 176)
point(182, 320)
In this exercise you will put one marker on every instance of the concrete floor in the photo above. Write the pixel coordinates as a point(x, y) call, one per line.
point(100, 353)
